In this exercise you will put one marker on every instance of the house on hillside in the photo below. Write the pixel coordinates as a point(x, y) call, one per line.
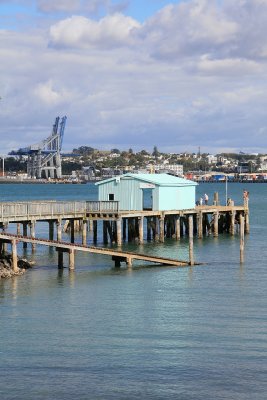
point(157, 192)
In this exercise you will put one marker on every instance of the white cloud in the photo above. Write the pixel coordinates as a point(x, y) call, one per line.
point(193, 74)
point(78, 31)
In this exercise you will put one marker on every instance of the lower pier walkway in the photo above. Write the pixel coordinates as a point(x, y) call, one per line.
point(64, 247)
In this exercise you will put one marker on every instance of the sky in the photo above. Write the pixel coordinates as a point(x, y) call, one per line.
point(136, 74)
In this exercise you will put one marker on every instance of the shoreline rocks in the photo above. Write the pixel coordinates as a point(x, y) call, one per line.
point(6, 270)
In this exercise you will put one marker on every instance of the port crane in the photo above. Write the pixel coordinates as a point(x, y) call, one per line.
point(44, 158)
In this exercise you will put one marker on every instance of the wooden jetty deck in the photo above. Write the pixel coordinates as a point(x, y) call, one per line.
point(118, 226)
point(62, 246)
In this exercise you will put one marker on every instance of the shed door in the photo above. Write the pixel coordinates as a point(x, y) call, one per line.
point(147, 199)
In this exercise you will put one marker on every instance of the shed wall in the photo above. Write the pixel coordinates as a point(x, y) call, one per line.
point(176, 198)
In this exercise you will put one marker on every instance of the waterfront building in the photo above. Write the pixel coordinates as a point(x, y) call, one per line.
point(157, 192)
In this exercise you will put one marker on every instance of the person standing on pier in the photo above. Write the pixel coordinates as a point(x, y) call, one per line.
point(206, 198)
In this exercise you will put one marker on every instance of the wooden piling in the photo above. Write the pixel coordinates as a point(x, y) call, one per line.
point(59, 229)
point(124, 229)
point(216, 224)
point(14, 255)
point(25, 233)
point(247, 227)
point(148, 226)
point(60, 259)
point(84, 231)
point(141, 229)
point(105, 232)
point(161, 228)
point(200, 224)
point(32, 234)
point(118, 231)
point(18, 228)
point(51, 230)
point(95, 231)
point(177, 227)
point(191, 240)
point(72, 230)
point(71, 259)
point(232, 223)
point(241, 219)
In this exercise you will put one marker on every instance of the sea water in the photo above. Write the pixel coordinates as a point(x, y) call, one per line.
point(146, 333)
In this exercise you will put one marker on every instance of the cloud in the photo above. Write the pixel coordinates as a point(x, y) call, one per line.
point(111, 31)
point(192, 74)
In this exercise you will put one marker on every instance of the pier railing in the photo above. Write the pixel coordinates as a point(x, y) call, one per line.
point(102, 206)
point(49, 209)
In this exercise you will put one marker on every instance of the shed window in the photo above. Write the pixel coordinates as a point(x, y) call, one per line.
point(111, 196)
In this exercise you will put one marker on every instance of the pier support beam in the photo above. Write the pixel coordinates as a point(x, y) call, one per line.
point(72, 230)
point(178, 227)
point(200, 225)
point(232, 223)
point(14, 255)
point(119, 237)
point(241, 239)
point(149, 229)
point(25, 233)
point(71, 259)
point(191, 240)
point(84, 231)
point(161, 229)
point(59, 230)
point(216, 223)
point(124, 226)
point(247, 227)
point(105, 232)
point(32, 234)
point(60, 259)
point(95, 231)
point(51, 230)
point(141, 229)
point(18, 228)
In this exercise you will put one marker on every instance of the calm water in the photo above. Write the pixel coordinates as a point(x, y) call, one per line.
point(150, 333)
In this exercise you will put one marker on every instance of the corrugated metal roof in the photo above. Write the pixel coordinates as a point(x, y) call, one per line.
point(157, 179)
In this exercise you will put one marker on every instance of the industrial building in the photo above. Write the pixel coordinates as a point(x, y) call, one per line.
point(157, 192)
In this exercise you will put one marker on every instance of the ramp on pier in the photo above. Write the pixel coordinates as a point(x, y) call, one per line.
point(117, 255)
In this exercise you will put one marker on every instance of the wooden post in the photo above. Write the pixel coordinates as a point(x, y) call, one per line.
point(105, 232)
point(51, 230)
point(216, 223)
point(148, 224)
point(14, 255)
point(178, 227)
point(24, 229)
point(72, 231)
point(200, 224)
point(4, 245)
point(161, 228)
point(90, 225)
point(119, 237)
point(247, 228)
point(241, 239)
point(156, 232)
point(191, 240)
point(232, 223)
point(71, 259)
point(124, 222)
point(32, 233)
point(59, 230)
point(18, 228)
point(141, 229)
point(95, 231)
point(129, 262)
point(216, 199)
point(84, 231)
point(60, 259)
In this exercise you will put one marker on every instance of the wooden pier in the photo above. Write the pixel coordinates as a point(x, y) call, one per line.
point(118, 226)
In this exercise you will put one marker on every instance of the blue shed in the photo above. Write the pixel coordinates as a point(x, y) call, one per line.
point(157, 192)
